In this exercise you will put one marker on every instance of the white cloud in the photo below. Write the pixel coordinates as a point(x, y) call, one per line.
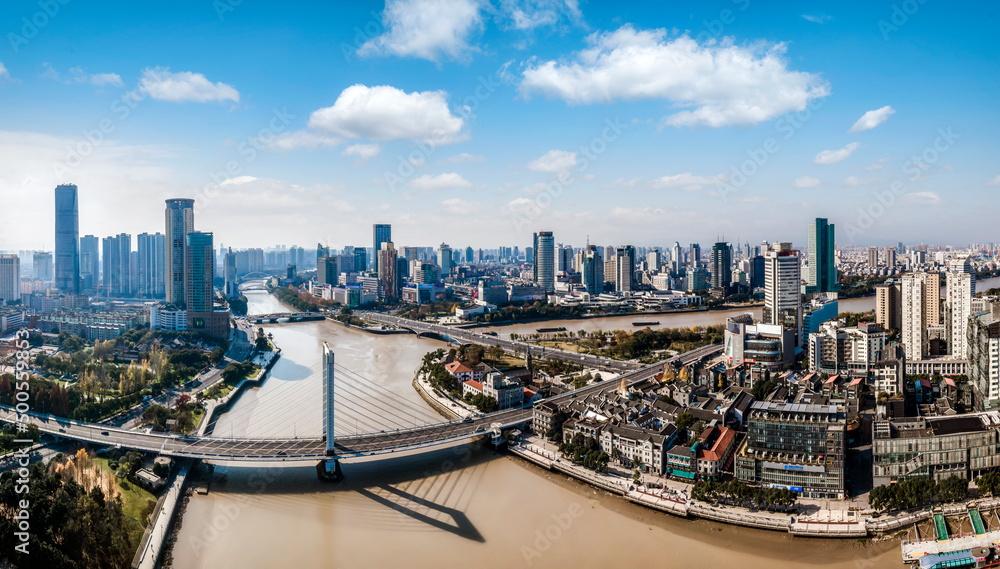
point(877, 165)
point(448, 181)
point(721, 83)
point(465, 157)
point(531, 14)
point(805, 182)
point(994, 182)
point(817, 18)
point(458, 206)
point(834, 156)
point(4, 74)
point(427, 29)
point(686, 181)
point(386, 113)
point(872, 119)
point(301, 139)
point(183, 86)
point(80, 75)
point(364, 152)
point(238, 181)
point(624, 183)
point(921, 198)
point(553, 161)
point(854, 181)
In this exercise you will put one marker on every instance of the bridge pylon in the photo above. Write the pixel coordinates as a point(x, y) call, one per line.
point(328, 469)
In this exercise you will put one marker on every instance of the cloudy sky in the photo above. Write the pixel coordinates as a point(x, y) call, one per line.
point(477, 122)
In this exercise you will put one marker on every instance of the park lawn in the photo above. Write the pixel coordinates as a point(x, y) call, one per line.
point(137, 504)
point(196, 416)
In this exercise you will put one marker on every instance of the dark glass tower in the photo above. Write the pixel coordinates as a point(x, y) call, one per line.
point(67, 261)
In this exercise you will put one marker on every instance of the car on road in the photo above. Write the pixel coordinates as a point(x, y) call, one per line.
point(62, 430)
point(480, 429)
point(282, 453)
point(105, 433)
point(467, 420)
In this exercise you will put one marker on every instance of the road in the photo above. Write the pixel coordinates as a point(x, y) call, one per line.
point(277, 450)
point(470, 337)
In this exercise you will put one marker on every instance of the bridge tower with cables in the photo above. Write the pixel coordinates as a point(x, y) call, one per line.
point(329, 469)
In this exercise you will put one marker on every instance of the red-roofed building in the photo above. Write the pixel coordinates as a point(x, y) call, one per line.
point(715, 448)
point(471, 387)
point(530, 395)
point(459, 370)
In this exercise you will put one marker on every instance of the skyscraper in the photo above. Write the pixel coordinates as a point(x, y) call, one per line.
point(117, 264)
point(151, 265)
point(360, 259)
point(67, 259)
point(960, 289)
point(445, 259)
point(10, 278)
point(387, 272)
point(199, 270)
point(90, 262)
point(326, 271)
point(592, 276)
point(179, 222)
point(694, 257)
point(544, 262)
point(722, 265)
point(872, 257)
point(920, 307)
point(381, 232)
point(42, 261)
point(654, 260)
point(822, 266)
point(782, 287)
point(229, 268)
point(625, 265)
point(321, 251)
point(676, 258)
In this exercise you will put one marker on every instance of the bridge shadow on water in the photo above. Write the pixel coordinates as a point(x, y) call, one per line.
point(430, 491)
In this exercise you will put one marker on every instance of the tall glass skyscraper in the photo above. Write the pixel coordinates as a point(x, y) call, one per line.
point(90, 262)
point(722, 265)
point(152, 248)
point(67, 260)
point(544, 265)
point(822, 265)
point(199, 270)
point(381, 232)
point(179, 222)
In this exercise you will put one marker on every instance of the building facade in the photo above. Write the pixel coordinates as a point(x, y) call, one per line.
point(179, 221)
point(67, 252)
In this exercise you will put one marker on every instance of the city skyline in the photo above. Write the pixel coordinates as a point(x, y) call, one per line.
point(511, 98)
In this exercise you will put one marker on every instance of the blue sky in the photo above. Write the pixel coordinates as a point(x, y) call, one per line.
point(476, 123)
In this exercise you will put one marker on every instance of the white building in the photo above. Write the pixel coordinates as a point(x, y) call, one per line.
point(984, 356)
point(10, 275)
point(167, 319)
point(920, 308)
point(782, 287)
point(960, 288)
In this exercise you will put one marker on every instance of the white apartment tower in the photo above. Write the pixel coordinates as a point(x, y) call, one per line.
point(782, 287)
point(920, 308)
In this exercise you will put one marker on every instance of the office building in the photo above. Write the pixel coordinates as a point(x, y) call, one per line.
point(445, 259)
point(694, 256)
point(544, 267)
point(697, 279)
point(564, 259)
point(10, 278)
point(67, 253)
point(757, 272)
point(796, 446)
point(117, 265)
point(654, 260)
point(872, 258)
point(321, 251)
point(179, 216)
point(90, 262)
point(151, 265)
point(782, 296)
point(625, 267)
point(888, 304)
point(326, 271)
point(360, 259)
point(387, 272)
point(381, 232)
point(229, 271)
point(919, 310)
point(199, 272)
point(676, 258)
point(756, 343)
point(721, 265)
point(592, 270)
point(822, 258)
point(42, 261)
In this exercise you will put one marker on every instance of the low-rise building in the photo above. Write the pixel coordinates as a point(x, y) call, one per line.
point(797, 446)
point(769, 345)
point(935, 447)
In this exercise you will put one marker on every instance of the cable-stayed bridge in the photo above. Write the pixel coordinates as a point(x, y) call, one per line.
point(360, 418)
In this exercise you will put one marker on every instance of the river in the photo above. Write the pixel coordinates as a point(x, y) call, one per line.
point(456, 507)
